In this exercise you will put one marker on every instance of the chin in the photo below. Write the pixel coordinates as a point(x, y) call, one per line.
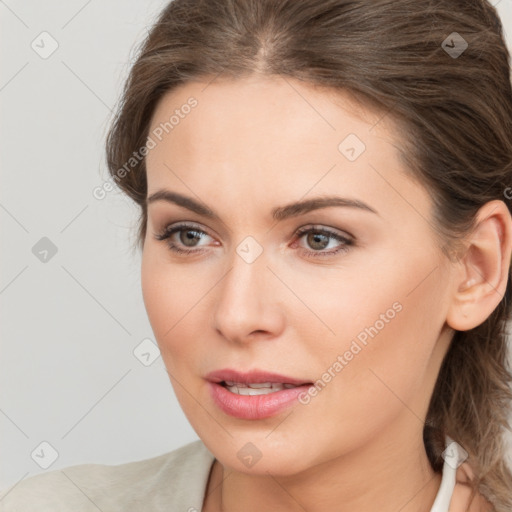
point(257, 454)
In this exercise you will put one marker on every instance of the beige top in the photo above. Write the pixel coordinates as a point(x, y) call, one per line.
point(173, 482)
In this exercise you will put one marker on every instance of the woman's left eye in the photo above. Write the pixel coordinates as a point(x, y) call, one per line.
point(319, 237)
point(316, 238)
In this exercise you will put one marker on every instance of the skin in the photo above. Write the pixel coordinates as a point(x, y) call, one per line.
point(257, 143)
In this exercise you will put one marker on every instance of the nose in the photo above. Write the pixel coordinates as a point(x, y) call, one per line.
point(247, 305)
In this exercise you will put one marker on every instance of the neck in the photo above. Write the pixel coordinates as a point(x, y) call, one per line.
point(381, 474)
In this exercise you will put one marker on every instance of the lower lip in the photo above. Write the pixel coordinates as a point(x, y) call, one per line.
point(254, 407)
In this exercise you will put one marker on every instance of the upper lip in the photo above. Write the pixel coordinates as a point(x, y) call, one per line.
point(252, 377)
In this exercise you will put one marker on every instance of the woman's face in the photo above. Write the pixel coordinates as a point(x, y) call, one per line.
point(352, 297)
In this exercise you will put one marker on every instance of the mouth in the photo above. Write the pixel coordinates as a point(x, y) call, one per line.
point(254, 394)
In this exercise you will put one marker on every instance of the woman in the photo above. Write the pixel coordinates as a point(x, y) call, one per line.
point(326, 241)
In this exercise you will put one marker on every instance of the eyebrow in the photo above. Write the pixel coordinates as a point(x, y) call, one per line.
point(278, 214)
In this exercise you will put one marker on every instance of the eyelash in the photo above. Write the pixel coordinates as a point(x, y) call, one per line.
point(347, 242)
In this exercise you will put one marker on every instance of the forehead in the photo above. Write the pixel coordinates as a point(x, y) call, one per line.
point(270, 118)
point(274, 137)
point(276, 109)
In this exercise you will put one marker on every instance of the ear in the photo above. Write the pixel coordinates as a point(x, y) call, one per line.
point(482, 272)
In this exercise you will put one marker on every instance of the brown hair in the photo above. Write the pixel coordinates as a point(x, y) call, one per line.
point(454, 114)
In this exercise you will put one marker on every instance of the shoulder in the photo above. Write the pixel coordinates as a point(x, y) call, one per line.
point(153, 484)
point(463, 500)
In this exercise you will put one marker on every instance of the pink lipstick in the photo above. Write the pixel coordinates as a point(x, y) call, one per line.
point(254, 394)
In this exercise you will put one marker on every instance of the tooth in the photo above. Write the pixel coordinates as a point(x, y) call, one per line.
point(253, 389)
point(249, 391)
point(260, 391)
point(261, 385)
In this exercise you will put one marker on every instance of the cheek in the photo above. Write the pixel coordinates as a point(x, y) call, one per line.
point(174, 300)
point(173, 306)
point(164, 296)
point(387, 335)
point(155, 292)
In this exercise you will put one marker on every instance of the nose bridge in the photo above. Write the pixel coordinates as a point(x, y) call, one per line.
point(245, 302)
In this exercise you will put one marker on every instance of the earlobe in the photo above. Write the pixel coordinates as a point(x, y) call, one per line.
point(483, 270)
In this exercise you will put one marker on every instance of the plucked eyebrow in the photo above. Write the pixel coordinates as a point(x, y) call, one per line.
point(278, 214)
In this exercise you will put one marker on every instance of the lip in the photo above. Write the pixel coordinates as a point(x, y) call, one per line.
point(252, 376)
point(258, 406)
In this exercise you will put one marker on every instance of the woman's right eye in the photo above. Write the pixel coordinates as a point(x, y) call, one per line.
point(192, 233)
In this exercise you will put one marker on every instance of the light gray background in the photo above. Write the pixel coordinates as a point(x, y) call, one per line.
point(69, 326)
